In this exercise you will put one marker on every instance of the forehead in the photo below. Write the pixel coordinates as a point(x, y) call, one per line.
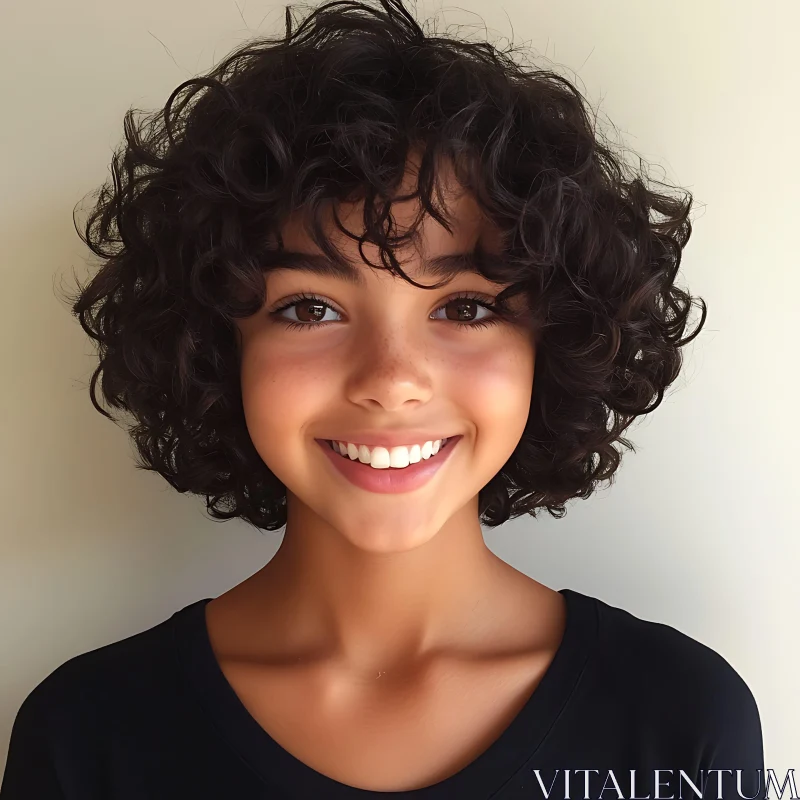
point(435, 253)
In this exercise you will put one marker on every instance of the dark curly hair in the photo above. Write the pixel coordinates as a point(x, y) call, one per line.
point(327, 114)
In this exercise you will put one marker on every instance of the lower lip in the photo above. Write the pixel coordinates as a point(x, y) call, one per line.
point(390, 480)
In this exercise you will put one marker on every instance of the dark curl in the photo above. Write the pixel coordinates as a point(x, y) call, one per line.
point(329, 113)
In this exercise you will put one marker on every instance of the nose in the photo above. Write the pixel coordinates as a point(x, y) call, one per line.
point(390, 370)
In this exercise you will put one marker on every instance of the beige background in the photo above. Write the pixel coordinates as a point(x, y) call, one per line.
point(701, 528)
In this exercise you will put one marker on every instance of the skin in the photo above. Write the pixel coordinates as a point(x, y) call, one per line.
point(380, 613)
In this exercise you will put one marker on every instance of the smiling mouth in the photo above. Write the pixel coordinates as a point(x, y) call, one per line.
point(445, 443)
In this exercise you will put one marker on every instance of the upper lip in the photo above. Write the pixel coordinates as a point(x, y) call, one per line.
point(390, 439)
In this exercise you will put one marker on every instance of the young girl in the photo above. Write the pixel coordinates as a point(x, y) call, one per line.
point(379, 288)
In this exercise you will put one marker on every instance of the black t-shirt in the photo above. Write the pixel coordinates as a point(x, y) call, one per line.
point(153, 717)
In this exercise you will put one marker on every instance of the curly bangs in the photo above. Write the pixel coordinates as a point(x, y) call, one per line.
point(329, 113)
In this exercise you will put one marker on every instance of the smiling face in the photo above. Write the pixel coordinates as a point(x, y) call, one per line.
point(385, 355)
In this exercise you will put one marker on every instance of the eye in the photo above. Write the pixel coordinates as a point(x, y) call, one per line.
point(467, 305)
point(311, 311)
point(309, 306)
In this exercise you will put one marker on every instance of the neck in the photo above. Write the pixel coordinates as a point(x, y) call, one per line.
point(371, 610)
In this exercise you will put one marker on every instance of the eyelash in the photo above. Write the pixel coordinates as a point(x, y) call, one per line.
point(299, 298)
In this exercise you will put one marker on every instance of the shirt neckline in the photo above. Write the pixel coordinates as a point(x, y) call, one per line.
point(480, 778)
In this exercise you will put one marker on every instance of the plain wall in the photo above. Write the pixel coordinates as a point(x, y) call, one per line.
point(701, 527)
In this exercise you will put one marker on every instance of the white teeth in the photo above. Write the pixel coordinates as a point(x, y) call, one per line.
point(383, 458)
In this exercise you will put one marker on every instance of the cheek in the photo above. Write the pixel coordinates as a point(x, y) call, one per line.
point(282, 392)
point(494, 386)
point(280, 395)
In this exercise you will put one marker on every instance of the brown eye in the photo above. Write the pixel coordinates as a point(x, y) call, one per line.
point(310, 310)
point(464, 310)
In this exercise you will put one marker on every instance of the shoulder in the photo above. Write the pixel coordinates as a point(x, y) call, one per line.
point(77, 721)
point(665, 672)
point(101, 681)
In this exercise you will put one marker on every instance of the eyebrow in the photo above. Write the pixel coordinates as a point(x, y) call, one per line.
point(440, 267)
